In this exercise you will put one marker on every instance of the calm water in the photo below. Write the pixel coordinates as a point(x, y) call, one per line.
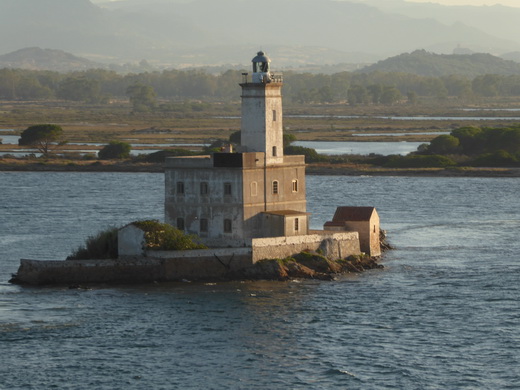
point(363, 148)
point(443, 314)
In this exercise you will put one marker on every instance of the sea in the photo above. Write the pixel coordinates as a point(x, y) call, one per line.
point(444, 312)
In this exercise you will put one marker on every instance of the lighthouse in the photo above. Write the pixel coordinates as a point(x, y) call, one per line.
point(261, 124)
point(228, 199)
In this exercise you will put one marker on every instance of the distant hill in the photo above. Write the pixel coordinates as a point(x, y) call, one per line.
point(422, 63)
point(512, 56)
point(209, 32)
point(35, 58)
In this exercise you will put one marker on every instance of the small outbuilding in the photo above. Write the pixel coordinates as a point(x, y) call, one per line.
point(363, 220)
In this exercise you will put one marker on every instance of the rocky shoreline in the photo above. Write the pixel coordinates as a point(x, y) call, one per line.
point(306, 266)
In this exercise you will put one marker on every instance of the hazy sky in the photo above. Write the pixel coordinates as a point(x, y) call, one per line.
point(510, 3)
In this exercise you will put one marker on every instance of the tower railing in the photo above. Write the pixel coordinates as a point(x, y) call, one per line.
point(273, 78)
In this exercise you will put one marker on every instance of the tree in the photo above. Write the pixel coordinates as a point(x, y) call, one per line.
point(115, 149)
point(80, 89)
point(43, 137)
point(288, 139)
point(471, 139)
point(236, 137)
point(375, 91)
point(357, 94)
point(142, 97)
point(412, 97)
point(444, 144)
point(390, 95)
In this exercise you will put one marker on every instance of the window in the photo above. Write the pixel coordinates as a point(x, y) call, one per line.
point(203, 225)
point(227, 226)
point(254, 188)
point(296, 224)
point(274, 115)
point(227, 189)
point(204, 189)
point(274, 151)
point(295, 186)
point(180, 223)
point(275, 187)
point(180, 188)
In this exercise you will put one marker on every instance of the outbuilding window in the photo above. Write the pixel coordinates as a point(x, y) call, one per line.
point(227, 226)
point(180, 188)
point(180, 223)
point(227, 189)
point(296, 224)
point(203, 225)
point(204, 188)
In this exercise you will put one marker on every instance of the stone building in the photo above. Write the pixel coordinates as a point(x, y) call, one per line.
point(234, 199)
point(363, 220)
point(229, 198)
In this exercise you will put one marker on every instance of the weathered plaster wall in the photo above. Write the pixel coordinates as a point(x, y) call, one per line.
point(214, 206)
point(130, 241)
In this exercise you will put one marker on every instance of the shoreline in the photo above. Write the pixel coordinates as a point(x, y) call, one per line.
point(311, 169)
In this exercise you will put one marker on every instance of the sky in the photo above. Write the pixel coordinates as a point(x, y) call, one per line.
point(510, 3)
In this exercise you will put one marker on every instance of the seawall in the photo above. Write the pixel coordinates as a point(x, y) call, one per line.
point(204, 264)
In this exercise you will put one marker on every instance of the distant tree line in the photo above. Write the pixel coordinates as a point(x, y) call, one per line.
point(483, 146)
point(145, 89)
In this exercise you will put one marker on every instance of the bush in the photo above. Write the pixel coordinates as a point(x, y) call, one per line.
point(161, 236)
point(500, 158)
point(419, 161)
point(161, 155)
point(115, 149)
point(311, 155)
point(101, 246)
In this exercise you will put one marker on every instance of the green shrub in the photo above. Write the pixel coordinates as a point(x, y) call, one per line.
point(161, 236)
point(500, 158)
point(161, 155)
point(115, 150)
point(101, 246)
point(419, 161)
point(311, 155)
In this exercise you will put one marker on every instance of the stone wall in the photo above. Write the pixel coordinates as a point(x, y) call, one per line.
point(332, 245)
point(39, 272)
point(205, 264)
point(165, 267)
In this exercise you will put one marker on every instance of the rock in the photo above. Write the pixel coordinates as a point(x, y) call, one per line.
point(317, 262)
point(297, 270)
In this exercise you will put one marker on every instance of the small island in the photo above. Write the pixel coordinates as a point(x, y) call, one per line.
point(230, 215)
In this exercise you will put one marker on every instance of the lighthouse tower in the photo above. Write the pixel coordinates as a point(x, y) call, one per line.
point(229, 199)
point(261, 126)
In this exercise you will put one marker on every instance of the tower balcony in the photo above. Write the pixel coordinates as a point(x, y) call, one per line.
point(266, 78)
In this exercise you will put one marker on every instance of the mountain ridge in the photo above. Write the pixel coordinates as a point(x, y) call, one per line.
point(190, 33)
